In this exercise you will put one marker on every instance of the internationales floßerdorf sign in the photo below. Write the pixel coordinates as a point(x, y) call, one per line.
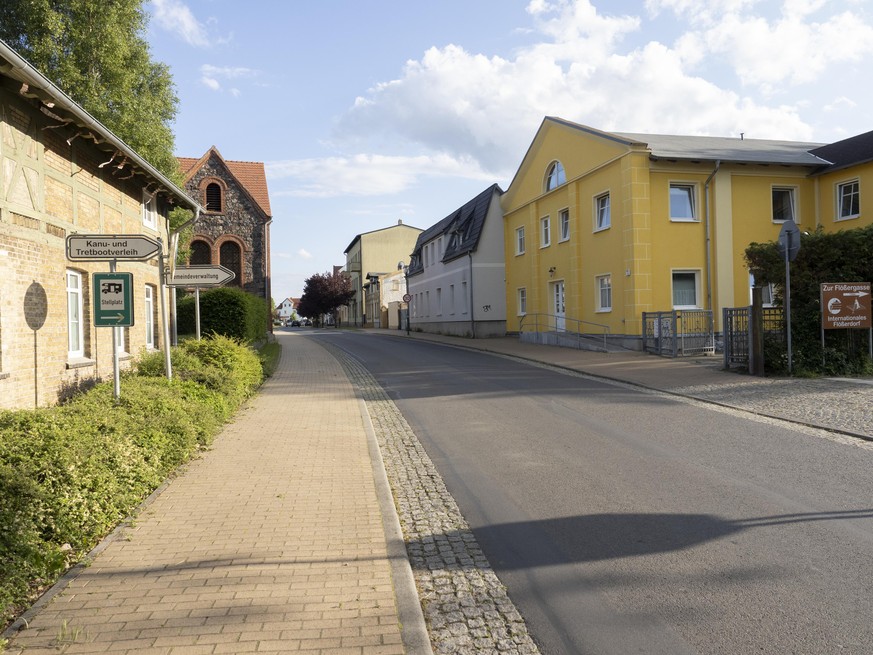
point(845, 305)
point(101, 247)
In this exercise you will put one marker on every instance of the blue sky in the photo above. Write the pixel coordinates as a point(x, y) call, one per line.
point(370, 112)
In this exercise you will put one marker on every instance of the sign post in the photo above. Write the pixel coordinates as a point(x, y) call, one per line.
point(789, 245)
point(199, 276)
point(113, 292)
point(846, 305)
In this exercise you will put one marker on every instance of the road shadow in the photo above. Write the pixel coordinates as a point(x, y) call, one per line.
point(591, 538)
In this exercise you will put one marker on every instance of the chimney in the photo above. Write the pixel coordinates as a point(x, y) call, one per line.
point(400, 221)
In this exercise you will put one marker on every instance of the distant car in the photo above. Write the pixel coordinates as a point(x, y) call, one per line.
point(295, 323)
point(307, 322)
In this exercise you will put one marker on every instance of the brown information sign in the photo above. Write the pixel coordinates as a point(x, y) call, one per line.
point(845, 305)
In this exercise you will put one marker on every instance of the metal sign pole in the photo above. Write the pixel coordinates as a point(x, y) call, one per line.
point(116, 375)
point(788, 296)
point(197, 311)
point(165, 324)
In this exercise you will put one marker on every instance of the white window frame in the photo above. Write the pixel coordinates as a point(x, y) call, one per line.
point(685, 271)
point(545, 231)
point(555, 176)
point(841, 188)
point(75, 315)
point(564, 225)
point(768, 295)
point(519, 240)
point(792, 201)
point(600, 288)
point(451, 299)
point(602, 212)
point(149, 210)
point(149, 304)
point(439, 301)
point(691, 189)
point(521, 301)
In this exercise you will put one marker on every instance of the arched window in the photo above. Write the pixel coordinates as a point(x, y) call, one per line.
point(213, 197)
point(556, 176)
point(231, 258)
point(200, 253)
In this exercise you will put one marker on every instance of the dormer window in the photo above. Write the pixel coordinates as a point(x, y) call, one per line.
point(213, 197)
point(556, 176)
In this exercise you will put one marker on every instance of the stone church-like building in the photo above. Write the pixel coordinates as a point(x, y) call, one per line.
point(233, 229)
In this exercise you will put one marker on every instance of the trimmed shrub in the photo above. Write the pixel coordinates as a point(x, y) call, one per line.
point(227, 311)
point(70, 473)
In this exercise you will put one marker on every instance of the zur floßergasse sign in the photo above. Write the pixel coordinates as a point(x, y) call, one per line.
point(845, 305)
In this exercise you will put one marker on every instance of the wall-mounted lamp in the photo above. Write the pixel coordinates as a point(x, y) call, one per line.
point(627, 272)
point(552, 271)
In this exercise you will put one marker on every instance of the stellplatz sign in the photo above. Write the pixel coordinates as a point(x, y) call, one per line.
point(845, 305)
point(103, 247)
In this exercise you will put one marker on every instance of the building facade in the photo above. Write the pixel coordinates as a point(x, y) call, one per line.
point(64, 173)
point(233, 230)
point(600, 227)
point(374, 254)
point(456, 274)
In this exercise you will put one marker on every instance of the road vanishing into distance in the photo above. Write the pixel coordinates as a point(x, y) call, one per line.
point(623, 521)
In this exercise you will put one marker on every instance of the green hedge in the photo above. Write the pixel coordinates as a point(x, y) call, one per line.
point(70, 473)
point(227, 311)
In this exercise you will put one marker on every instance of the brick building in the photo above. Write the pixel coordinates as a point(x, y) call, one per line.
point(233, 229)
point(63, 173)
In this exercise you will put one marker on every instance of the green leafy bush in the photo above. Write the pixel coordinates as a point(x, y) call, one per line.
point(69, 474)
point(227, 311)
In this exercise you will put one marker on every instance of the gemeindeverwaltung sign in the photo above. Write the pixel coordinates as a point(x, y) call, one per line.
point(102, 247)
point(845, 305)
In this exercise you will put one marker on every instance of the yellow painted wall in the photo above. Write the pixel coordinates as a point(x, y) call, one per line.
point(827, 194)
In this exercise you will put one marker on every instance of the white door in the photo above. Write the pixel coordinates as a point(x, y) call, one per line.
point(558, 305)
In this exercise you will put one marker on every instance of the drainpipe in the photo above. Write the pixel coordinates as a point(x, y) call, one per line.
point(709, 237)
point(472, 306)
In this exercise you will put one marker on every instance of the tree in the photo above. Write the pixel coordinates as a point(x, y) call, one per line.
point(324, 294)
point(96, 51)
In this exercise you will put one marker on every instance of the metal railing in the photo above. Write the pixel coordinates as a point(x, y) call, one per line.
point(679, 332)
point(560, 330)
point(738, 332)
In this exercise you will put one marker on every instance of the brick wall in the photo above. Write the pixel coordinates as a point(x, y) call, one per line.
point(239, 218)
point(49, 189)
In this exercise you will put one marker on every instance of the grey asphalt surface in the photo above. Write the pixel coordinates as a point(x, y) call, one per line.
point(664, 528)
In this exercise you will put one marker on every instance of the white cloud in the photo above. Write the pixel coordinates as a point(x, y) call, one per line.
point(176, 17)
point(211, 75)
point(304, 254)
point(362, 175)
point(732, 66)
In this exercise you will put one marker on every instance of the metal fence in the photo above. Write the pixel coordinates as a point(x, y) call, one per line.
point(736, 323)
point(549, 329)
point(679, 333)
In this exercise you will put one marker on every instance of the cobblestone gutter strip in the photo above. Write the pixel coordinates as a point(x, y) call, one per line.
point(466, 607)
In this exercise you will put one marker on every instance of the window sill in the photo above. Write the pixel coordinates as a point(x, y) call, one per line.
point(840, 219)
point(602, 229)
point(519, 254)
point(684, 220)
point(564, 240)
point(605, 310)
point(80, 362)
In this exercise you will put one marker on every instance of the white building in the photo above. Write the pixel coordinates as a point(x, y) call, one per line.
point(457, 272)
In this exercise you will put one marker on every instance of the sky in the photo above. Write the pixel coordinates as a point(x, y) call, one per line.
point(368, 112)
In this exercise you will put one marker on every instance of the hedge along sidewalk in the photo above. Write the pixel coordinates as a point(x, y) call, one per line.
point(69, 474)
point(273, 541)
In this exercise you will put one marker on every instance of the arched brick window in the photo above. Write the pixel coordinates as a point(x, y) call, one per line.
point(231, 258)
point(200, 253)
point(213, 197)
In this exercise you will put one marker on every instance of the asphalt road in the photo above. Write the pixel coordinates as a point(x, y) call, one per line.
point(628, 522)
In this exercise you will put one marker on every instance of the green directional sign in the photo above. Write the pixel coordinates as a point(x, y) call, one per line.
point(113, 299)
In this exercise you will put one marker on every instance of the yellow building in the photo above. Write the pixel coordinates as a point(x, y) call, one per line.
point(600, 227)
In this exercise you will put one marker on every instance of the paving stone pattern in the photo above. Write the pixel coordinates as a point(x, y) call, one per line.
point(466, 607)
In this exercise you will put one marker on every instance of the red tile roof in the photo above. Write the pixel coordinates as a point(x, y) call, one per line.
point(250, 174)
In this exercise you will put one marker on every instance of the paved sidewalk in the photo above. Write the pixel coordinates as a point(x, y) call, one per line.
point(272, 542)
